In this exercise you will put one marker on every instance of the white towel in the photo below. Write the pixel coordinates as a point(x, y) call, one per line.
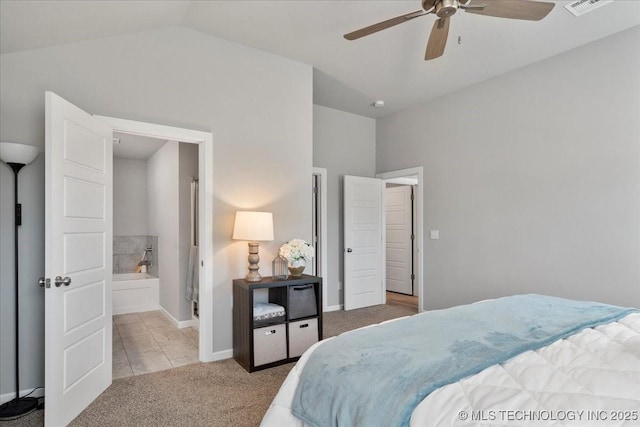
point(193, 276)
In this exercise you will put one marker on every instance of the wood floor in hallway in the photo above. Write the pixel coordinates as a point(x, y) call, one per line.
point(401, 300)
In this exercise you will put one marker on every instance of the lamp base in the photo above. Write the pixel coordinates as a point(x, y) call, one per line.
point(254, 259)
point(17, 408)
point(253, 276)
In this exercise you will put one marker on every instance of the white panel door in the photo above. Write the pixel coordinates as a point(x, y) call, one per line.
point(398, 207)
point(363, 284)
point(78, 250)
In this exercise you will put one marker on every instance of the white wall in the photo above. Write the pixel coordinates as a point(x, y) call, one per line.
point(164, 221)
point(258, 107)
point(129, 197)
point(344, 144)
point(532, 178)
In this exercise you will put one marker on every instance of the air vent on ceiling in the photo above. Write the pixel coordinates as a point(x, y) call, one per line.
point(580, 7)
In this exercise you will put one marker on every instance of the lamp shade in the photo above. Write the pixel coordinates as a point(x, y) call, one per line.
point(253, 226)
point(22, 154)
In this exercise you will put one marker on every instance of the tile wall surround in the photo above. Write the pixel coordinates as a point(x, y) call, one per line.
point(128, 251)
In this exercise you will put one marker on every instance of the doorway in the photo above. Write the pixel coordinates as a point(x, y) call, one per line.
point(399, 209)
point(204, 142)
point(154, 293)
point(404, 258)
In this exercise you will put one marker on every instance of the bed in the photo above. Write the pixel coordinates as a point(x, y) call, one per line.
point(583, 370)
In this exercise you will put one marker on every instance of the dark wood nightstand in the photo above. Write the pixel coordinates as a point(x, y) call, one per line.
point(271, 342)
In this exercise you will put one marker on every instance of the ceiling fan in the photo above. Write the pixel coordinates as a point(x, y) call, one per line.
point(513, 9)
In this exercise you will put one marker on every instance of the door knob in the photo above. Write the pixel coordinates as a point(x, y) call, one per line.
point(60, 281)
point(349, 250)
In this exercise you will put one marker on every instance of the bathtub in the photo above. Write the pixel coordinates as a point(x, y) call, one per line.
point(134, 292)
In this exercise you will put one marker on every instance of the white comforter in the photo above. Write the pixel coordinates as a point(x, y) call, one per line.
point(589, 379)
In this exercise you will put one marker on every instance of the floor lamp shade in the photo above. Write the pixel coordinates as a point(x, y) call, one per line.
point(254, 227)
point(20, 154)
point(17, 156)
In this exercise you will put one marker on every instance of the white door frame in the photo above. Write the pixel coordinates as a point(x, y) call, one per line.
point(322, 173)
point(205, 169)
point(418, 196)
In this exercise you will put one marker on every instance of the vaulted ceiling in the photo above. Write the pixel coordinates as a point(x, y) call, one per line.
point(348, 75)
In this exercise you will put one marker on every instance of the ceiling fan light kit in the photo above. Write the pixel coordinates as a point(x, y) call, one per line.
point(528, 10)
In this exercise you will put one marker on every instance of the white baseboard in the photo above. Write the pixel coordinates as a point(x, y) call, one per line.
point(333, 308)
point(135, 309)
point(180, 324)
point(219, 355)
point(168, 316)
point(9, 396)
point(191, 323)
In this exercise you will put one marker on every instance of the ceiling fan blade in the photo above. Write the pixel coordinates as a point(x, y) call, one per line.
point(514, 9)
point(384, 25)
point(437, 39)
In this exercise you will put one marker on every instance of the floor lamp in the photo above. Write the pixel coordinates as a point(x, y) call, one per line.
point(17, 156)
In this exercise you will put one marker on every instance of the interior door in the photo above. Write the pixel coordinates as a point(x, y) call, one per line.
point(363, 284)
point(78, 252)
point(399, 244)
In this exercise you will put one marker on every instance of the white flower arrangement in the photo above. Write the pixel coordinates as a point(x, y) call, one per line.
point(296, 249)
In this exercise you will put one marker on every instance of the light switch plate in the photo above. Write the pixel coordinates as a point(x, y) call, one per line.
point(435, 234)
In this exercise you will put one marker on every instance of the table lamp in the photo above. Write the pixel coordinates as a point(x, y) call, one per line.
point(254, 227)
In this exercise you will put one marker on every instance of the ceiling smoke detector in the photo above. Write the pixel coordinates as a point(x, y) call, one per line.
point(580, 7)
point(378, 104)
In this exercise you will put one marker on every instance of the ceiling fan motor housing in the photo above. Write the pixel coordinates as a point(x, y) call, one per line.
point(446, 8)
point(442, 8)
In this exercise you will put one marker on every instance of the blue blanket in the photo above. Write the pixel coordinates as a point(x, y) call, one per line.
point(377, 376)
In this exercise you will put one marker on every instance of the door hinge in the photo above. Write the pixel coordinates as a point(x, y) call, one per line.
point(315, 190)
point(413, 276)
point(413, 236)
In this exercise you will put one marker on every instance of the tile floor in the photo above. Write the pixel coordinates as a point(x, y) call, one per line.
point(148, 342)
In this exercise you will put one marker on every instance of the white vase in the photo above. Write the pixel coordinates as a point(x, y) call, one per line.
point(296, 267)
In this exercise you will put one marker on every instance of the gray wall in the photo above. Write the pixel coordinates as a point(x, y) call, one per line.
point(532, 178)
point(164, 221)
point(344, 144)
point(129, 197)
point(258, 107)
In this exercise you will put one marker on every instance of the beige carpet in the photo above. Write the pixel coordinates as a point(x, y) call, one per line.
point(203, 394)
